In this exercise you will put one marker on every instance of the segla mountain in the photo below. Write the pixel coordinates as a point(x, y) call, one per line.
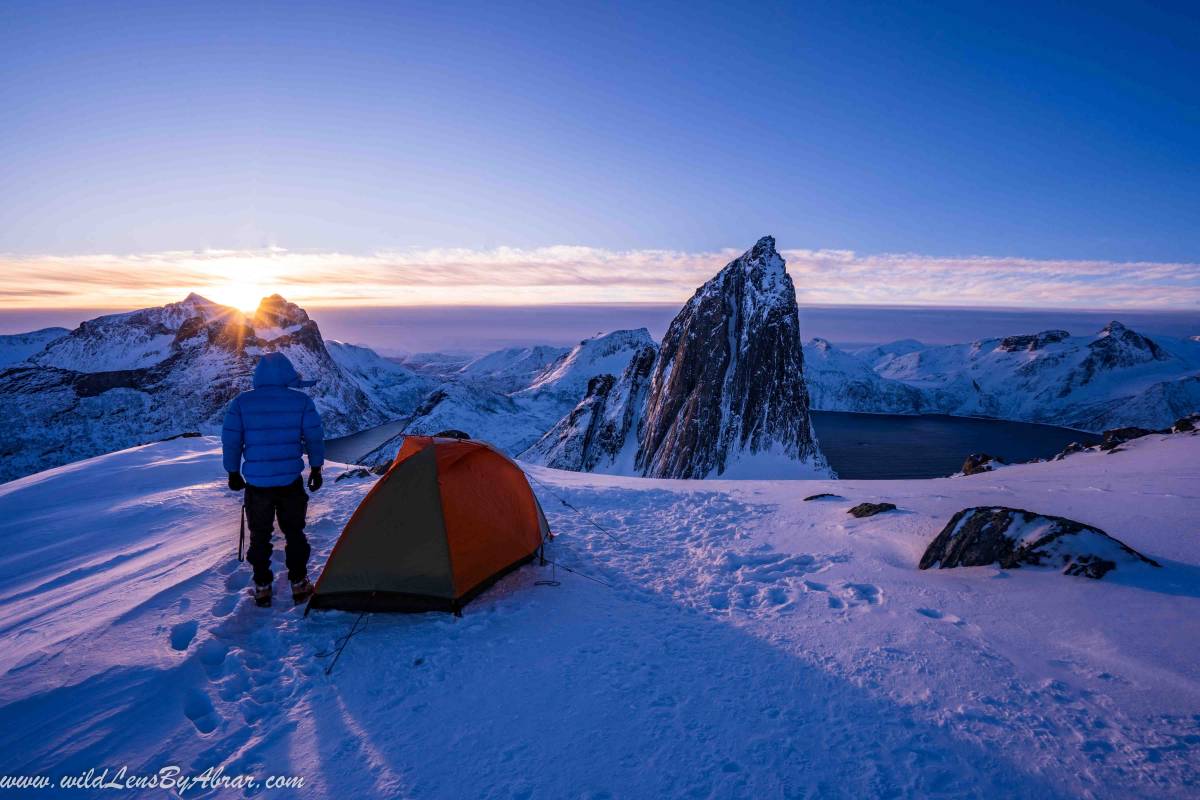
point(128, 379)
point(724, 395)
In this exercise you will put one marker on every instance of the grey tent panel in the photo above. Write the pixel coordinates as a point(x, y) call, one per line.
point(396, 542)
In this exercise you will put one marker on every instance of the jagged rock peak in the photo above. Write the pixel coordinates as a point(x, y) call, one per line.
point(727, 386)
point(1119, 346)
point(765, 268)
point(194, 299)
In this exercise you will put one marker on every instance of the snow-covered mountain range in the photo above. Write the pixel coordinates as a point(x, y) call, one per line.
point(728, 385)
point(1116, 378)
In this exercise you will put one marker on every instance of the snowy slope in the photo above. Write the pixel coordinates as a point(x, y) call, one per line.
point(486, 415)
point(391, 386)
point(566, 379)
point(16, 347)
point(510, 369)
point(747, 643)
point(840, 381)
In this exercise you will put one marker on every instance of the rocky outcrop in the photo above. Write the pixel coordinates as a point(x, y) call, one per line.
point(1186, 424)
point(823, 496)
point(871, 509)
point(603, 425)
point(1116, 437)
point(727, 394)
point(572, 443)
point(1033, 341)
point(981, 462)
point(1013, 537)
point(1071, 449)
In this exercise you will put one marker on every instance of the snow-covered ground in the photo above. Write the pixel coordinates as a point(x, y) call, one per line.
point(746, 643)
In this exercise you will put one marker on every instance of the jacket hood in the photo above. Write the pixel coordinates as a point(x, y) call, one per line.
point(274, 369)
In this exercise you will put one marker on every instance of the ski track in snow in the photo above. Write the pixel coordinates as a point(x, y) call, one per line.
point(748, 644)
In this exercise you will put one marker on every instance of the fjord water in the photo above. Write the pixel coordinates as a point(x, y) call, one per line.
point(893, 446)
point(866, 446)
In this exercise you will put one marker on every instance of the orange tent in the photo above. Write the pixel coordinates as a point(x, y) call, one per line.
point(447, 520)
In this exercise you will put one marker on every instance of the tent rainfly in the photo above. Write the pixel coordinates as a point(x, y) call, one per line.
point(448, 519)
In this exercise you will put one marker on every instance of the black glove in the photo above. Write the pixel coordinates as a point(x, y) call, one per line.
point(315, 480)
point(236, 482)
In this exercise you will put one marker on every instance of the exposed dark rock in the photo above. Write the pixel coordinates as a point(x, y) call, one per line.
point(981, 462)
point(728, 382)
point(452, 433)
point(1013, 537)
point(823, 496)
point(184, 435)
point(361, 472)
point(379, 469)
point(1119, 436)
point(602, 423)
point(871, 509)
point(1032, 341)
point(1186, 424)
point(1073, 447)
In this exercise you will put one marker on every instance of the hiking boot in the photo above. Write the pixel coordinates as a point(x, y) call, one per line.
point(262, 595)
point(301, 591)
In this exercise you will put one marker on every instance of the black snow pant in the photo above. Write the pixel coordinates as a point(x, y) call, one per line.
point(288, 504)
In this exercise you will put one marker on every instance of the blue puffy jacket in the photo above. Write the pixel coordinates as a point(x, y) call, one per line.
point(269, 428)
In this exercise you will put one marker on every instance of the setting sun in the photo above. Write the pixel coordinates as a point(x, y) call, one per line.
point(242, 295)
point(240, 282)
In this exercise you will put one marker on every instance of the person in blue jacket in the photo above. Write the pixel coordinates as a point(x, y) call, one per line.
point(267, 432)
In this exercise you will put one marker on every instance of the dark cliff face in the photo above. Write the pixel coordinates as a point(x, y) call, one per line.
point(729, 378)
point(1032, 341)
point(597, 430)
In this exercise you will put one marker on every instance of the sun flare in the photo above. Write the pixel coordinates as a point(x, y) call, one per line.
point(241, 282)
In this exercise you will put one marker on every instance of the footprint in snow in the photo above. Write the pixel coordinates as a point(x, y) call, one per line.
point(848, 595)
point(182, 635)
point(199, 709)
point(941, 616)
point(225, 605)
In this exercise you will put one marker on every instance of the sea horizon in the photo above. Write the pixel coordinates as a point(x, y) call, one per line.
point(475, 329)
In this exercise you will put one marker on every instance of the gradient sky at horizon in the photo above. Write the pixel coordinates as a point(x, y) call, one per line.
point(378, 153)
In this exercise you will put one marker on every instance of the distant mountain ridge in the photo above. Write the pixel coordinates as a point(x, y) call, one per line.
point(1117, 378)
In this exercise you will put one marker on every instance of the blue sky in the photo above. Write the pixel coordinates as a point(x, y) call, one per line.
point(945, 130)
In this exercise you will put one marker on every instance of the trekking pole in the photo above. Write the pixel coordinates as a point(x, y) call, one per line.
point(242, 534)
